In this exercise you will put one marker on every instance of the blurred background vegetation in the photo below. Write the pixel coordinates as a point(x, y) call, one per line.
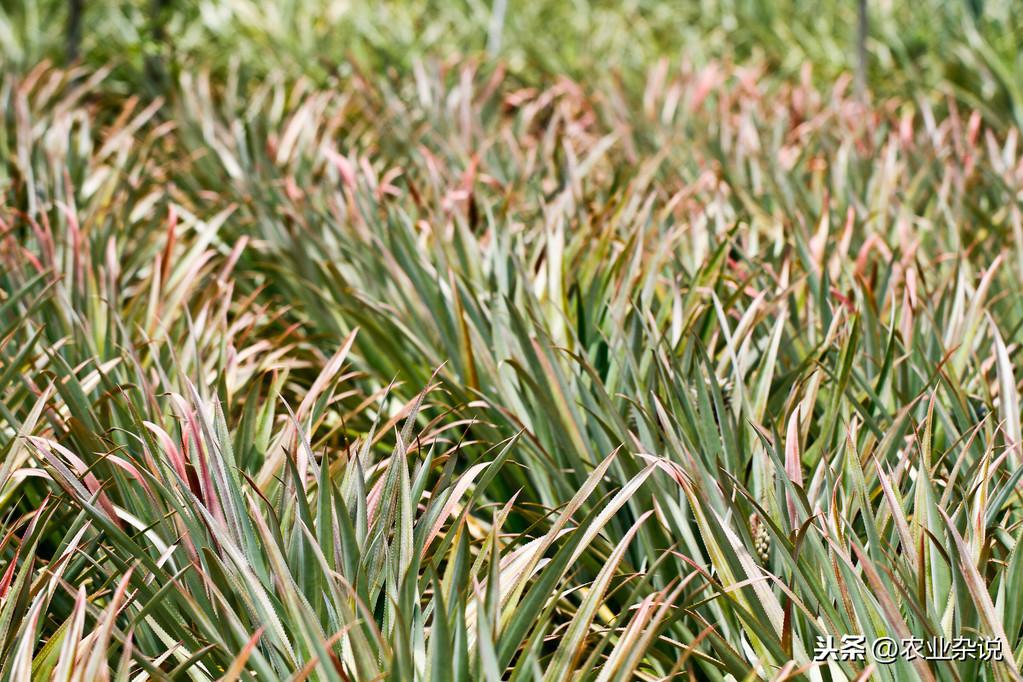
point(966, 48)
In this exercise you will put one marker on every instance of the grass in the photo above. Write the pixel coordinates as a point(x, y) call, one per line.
point(443, 365)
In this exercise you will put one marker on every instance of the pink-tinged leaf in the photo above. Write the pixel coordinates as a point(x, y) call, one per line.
point(345, 167)
point(193, 434)
point(177, 459)
point(466, 480)
point(897, 507)
point(890, 609)
point(793, 462)
point(1008, 397)
point(237, 666)
point(982, 599)
point(5, 582)
point(373, 499)
point(131, 470)
point(92, 485)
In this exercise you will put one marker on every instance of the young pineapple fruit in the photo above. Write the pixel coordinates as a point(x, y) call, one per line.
point(761, 538)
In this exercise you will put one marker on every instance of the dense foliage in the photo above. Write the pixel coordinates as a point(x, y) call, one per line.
point(429, 342)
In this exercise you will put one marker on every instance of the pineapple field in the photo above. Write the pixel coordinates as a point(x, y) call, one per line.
point(451, 341)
